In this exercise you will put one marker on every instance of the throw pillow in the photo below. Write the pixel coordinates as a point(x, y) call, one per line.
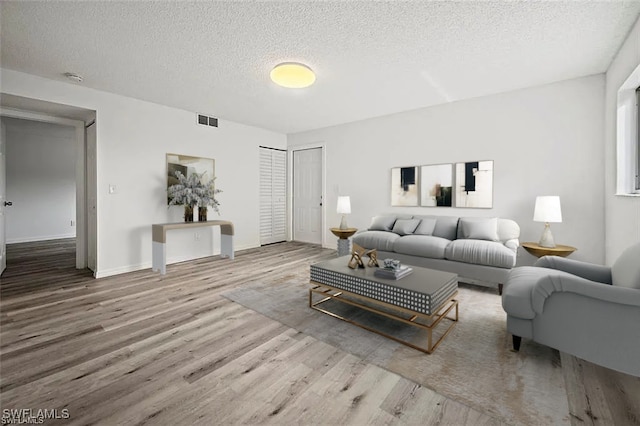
point(625, 271)
point(480, 229)
point(382, 223)
point(405, 226)
point(426, 227)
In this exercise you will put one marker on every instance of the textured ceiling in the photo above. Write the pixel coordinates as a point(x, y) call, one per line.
point(371, 58)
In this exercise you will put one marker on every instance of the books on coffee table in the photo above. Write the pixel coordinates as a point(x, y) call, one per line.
point(393, 274)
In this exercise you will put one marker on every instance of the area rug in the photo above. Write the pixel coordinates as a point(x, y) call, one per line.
point(474, 364)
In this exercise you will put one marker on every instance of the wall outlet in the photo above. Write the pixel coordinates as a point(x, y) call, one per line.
point(73, 223)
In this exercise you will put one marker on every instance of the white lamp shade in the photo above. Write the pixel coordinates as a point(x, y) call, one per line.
point(344, 205)
point(547, 209)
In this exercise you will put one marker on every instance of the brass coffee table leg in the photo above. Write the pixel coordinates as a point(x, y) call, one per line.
point(432, 320)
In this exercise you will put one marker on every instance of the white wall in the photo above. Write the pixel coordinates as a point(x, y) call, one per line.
point(622, 212)
point(41, 181)
point(133, 138)
point(543, 140)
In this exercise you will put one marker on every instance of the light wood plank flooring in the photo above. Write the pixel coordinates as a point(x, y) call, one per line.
point(141, 348)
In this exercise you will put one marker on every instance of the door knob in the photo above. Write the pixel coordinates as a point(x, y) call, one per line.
point(8, 203)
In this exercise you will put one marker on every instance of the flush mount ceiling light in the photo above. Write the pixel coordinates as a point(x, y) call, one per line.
point(292, 75)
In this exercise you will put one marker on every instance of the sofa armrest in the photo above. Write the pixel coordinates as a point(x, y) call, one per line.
point(589, 271)
point(512, 244)
point(559, 281)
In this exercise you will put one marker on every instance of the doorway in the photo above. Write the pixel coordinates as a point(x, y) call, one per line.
point(308, 194)
point(50, 113)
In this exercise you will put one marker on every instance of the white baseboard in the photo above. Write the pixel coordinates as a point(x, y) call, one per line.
point(102, 273)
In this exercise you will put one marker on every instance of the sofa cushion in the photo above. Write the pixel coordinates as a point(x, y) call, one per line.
point(405, 226)
point(426, 227)
point(479, 228)
point(446, 226)
point(481, 252)
point(625, 272)
point(421, 245)
point(381, 240)
point(382, 223)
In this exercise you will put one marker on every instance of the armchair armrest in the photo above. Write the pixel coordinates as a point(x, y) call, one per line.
point(589, 271)
point(558, 281)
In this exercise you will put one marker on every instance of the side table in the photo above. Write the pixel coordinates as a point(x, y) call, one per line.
point(344, 241)
point(538, 251)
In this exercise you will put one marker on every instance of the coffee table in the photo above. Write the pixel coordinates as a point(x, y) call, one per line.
point(422, 299)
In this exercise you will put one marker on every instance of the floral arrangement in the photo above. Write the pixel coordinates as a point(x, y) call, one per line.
point(191, 192)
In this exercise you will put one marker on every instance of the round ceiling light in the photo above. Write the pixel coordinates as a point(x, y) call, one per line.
point(293, 75)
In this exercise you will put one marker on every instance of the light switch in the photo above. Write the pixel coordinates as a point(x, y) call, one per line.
point(112, 189)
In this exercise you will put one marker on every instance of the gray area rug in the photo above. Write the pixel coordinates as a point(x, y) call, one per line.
point(473, 365)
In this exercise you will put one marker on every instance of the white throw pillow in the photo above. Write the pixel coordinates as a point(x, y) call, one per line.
point(382, 223)
point(426, 227)
point(405, 226)
point(480, 229)
point(625, 271)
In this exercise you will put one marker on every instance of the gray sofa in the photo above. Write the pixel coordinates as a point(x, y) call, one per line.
point(480, 250)
point(587, 310)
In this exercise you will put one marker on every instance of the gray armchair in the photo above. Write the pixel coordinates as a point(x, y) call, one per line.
point(587, 310)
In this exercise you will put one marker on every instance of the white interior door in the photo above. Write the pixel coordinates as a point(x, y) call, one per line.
point(307, 195)
point(3, 188)
point(273, 195)
point(92, 188)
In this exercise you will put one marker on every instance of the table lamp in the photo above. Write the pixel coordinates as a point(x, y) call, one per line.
point(344, 208)
point(547, 210)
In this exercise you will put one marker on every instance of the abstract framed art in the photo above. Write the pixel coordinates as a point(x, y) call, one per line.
point(436, 185)
point(474, 184)
point(404, 186)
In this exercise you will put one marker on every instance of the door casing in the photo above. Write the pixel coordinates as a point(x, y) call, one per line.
point(81, 189)
point(323, 156)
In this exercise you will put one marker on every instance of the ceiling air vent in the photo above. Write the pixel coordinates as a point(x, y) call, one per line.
point(207, 121)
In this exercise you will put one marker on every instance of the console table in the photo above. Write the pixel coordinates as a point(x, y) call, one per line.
point(159, 236)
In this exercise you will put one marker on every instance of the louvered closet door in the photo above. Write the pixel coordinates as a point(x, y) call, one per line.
point(273, 196)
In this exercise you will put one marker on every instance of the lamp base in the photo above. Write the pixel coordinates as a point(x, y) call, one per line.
point(343, 222)
point(546, 240)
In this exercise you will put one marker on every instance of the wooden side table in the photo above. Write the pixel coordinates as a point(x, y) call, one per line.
point(344, 241)
point(538, 251)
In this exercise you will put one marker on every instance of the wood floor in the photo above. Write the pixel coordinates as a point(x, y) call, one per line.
point(141, 348)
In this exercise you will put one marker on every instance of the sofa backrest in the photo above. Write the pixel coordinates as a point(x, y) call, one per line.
point(625, 272)
point(506, 229)
point(446, 226)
